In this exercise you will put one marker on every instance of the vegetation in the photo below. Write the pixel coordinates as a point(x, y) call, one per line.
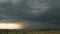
point(37, 32)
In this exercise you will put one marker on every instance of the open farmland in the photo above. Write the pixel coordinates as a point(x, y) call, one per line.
point(36, 32)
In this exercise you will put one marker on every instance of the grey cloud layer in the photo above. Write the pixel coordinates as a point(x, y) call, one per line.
point(32, 10)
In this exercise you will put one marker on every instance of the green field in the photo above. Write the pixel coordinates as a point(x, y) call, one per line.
point(36, 32)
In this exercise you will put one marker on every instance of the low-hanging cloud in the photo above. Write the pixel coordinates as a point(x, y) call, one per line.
point(39, 11)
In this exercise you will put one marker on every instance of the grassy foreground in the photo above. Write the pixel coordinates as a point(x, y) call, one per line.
point(36, 32)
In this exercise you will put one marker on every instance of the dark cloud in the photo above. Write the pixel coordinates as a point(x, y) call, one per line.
point(39, 11)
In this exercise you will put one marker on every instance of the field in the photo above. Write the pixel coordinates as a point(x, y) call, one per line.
point(36, 32)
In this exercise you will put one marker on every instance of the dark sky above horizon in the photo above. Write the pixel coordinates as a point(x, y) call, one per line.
point(39, 14)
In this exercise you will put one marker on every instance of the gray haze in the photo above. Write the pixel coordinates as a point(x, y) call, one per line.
point(39, 14)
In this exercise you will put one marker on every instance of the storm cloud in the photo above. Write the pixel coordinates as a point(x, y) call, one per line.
point(35, 11)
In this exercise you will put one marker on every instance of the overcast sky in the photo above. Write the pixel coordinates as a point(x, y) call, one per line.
point(39, 14)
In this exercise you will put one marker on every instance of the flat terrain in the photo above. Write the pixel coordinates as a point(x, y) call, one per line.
point(36, 32)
